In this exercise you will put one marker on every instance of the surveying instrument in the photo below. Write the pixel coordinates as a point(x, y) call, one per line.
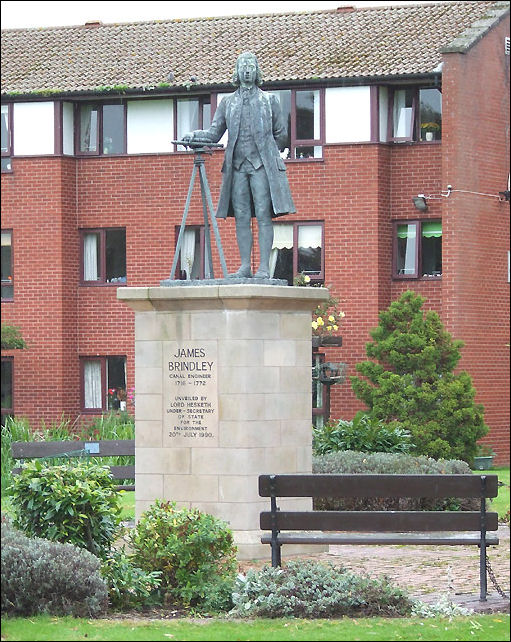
point(200, 148)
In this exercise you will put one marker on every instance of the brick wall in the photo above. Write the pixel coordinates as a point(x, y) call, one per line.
point(358, 190)
point(476, 228)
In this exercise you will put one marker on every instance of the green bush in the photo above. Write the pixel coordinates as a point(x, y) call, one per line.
point(39, 576)
point(310, 589)
point(409, 382)
point(363, 433)
point(11, 338)
point(129, 587)
point(352, 463)
point(68, 503)
point(193, 550)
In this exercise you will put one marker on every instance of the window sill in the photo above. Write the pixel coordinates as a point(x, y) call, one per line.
point(417, 278)
point(102, 284)
point(303, 160)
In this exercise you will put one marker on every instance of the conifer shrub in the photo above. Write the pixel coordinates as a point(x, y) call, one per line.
point(74, 503)
point(351, 463)
point(410, 382)
point(194, 551)
point(310, 589)
point(39, 576)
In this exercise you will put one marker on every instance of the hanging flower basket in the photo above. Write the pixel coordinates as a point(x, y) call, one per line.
point(327, 340)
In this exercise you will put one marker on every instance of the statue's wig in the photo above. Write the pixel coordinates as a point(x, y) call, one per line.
point(236, 76)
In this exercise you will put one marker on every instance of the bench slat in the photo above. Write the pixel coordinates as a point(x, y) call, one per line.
point(376, 485)
point(368, 521)
point(432, 539)
point(37, 449)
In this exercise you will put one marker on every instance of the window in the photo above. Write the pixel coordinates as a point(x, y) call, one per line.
point(297, 247)
point(103, 383)
point(6, 138)
point(104, 256)
point(193, 113)
point(7, 388)
point(415, 114)
point(6, 260)
point(417, 249)
point(101, 128)
point(191, 262)
point(303, 112)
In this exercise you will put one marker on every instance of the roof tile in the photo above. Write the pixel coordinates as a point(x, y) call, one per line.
point(388, 41)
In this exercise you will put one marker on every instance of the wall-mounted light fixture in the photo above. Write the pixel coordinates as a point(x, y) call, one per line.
point(420, 202)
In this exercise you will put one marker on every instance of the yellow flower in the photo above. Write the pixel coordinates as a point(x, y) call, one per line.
point(314, 325)
point(342, 315)
point(306, 278)
point(320, 321)
point(336, 327)
point(329, 328)
point(331, 318)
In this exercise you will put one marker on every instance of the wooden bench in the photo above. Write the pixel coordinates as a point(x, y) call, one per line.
point(78, 449)
point(432, 528)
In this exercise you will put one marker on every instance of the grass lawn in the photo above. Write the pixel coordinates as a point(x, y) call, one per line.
point(500, 504)
point(128, 504)
point(477, 627)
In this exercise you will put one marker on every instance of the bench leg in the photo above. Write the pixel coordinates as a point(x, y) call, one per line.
point(275, 554)
point(482, 544)
point(482, 572)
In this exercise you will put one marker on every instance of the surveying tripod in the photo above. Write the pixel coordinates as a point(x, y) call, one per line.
point(199, 149)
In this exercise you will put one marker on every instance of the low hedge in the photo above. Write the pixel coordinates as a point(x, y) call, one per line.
point(353, 462)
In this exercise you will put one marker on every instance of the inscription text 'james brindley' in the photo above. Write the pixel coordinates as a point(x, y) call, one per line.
point(254, 181)
point(191, 394)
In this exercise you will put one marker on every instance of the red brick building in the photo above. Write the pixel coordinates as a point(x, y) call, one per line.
point(383, 105)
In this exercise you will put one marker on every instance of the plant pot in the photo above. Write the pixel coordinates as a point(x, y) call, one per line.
point(330, 340)
point(483, 462)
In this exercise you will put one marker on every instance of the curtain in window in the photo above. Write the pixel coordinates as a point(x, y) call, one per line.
point(402, 115)
point(90, 257)
point(187, 117)
point(5, 128)
point(188, 252)
point(432, 229)
point(88, 128)
point(282, 239)
point(409, 233)
point(309, 236)
point(92, 384)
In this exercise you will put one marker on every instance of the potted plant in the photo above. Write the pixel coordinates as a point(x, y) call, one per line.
point(326, 318)
point(430, 129)
point(483, 459)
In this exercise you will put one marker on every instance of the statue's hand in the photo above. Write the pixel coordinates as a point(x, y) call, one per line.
point(187, 138)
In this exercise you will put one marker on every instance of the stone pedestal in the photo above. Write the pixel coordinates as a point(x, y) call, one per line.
point(223, 394)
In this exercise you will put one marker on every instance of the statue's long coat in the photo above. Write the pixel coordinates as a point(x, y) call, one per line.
point(269, 131)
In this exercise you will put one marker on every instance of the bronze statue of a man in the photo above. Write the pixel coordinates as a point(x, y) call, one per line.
point(254, 179)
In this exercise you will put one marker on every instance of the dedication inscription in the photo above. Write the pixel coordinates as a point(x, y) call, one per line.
point(190, 397)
